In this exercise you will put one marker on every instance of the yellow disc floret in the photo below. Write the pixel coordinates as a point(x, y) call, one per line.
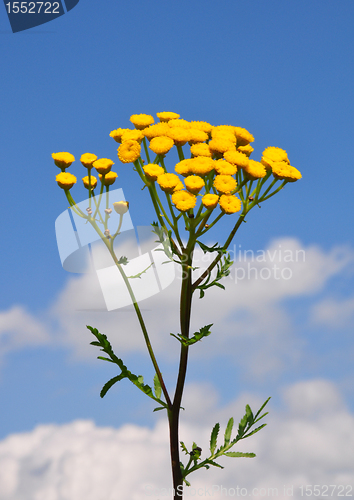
point(87, 184)
point(168, 182)
point(103, 165)
point(255, 170)
point(65, 180)
point(220, 145)
point(109, 178)
point(210, 201)
point(161, 145)
point(224, 183)
point(197, 136)
point(87, 160)
point(229, 203)
point(200, 149)
point(204, 126)
point(141, 121)
point(223, 167)
point(237, 158)
point(194, 183)
point(129, 151)
point(63, 160)
point(179, 135)
point(247, 150)
point(135, 135)
point(283, 171)
point(243, 136)
point(273, 154)
point(166, 116)
point(153, 171)
point(183, 200)
point(156, 130)
point(201, 165)
point(184, 167)
point(117, 134)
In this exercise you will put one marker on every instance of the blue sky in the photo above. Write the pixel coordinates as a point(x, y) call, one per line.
point(282, 70)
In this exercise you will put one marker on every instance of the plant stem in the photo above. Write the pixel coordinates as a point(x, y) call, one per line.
point(185, 316)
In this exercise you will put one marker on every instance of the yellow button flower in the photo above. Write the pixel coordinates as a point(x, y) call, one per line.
point(179, 135)
point(194, 183)
point(255, 170)
point(168, 182)
point(229, 203)
point(183, 200)
point(220, 145)
point(87, 160)
point(141, 121)
point(224, 183)
point(273, 154)
point(103, 165)
point(109, 178)
point(63, 160)
point(65, 180)
point(201, 165)
point(161, 145)
point(179, 122)
point(93, 182)
point(204, 126)
point(156, 130)
point(129, 151)
point(179, 187)
point(135, 135)
point(121, 207)
point(184, 167)
point(247, 150)
point(153, 171)
point(283, 171)
point(210, 201)
point(200, 149)
point(223, 167)
point(117, 134)
point(237, 158)
point(166, 116)
point(243, 136)
point(197, 136)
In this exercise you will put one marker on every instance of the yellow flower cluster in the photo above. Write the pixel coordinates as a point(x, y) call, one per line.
point(218, 166)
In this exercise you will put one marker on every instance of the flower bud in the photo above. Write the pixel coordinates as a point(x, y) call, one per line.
point(108, 210)
point(121, 207)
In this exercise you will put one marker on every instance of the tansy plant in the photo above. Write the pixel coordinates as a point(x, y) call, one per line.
point(214, 178)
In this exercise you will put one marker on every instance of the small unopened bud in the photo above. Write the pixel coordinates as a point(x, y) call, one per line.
point(108, 210)
point(121, 207)
point(191, 216)
point(107, 233)
point(89, 210)
point(196, 452)
point(206, 226)
point(251, 198)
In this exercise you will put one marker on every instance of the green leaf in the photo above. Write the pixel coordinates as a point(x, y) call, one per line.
point(228, 431)
point(239, 454)
point(261, 408)
point(160, 408)
point(256, 430)
point(109, 384)
point(214, 248)
point(186, 341)
point(123, 260)
point(157, 386)
point(211, 462)
point(214, 437)
point(183, 446)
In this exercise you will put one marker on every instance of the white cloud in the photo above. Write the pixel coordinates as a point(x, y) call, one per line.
point(81, 460)
point(333, 313)
point(18, 329)
point(248, 317)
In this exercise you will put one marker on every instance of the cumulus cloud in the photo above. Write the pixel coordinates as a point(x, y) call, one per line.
point(19, 328)
point(250, 316)
point(333, 313)
point(80, 460)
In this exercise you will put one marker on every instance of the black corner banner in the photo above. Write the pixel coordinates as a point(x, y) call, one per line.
point(26, 15)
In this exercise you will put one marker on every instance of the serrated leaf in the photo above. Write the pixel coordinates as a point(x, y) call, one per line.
point(239, 454)
point(183, 446)
point(228, 431)
point(214, 437)
point(109, 384)
point(261, 408)
point(256, 430)
point(211, 462)
point(157, 386)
